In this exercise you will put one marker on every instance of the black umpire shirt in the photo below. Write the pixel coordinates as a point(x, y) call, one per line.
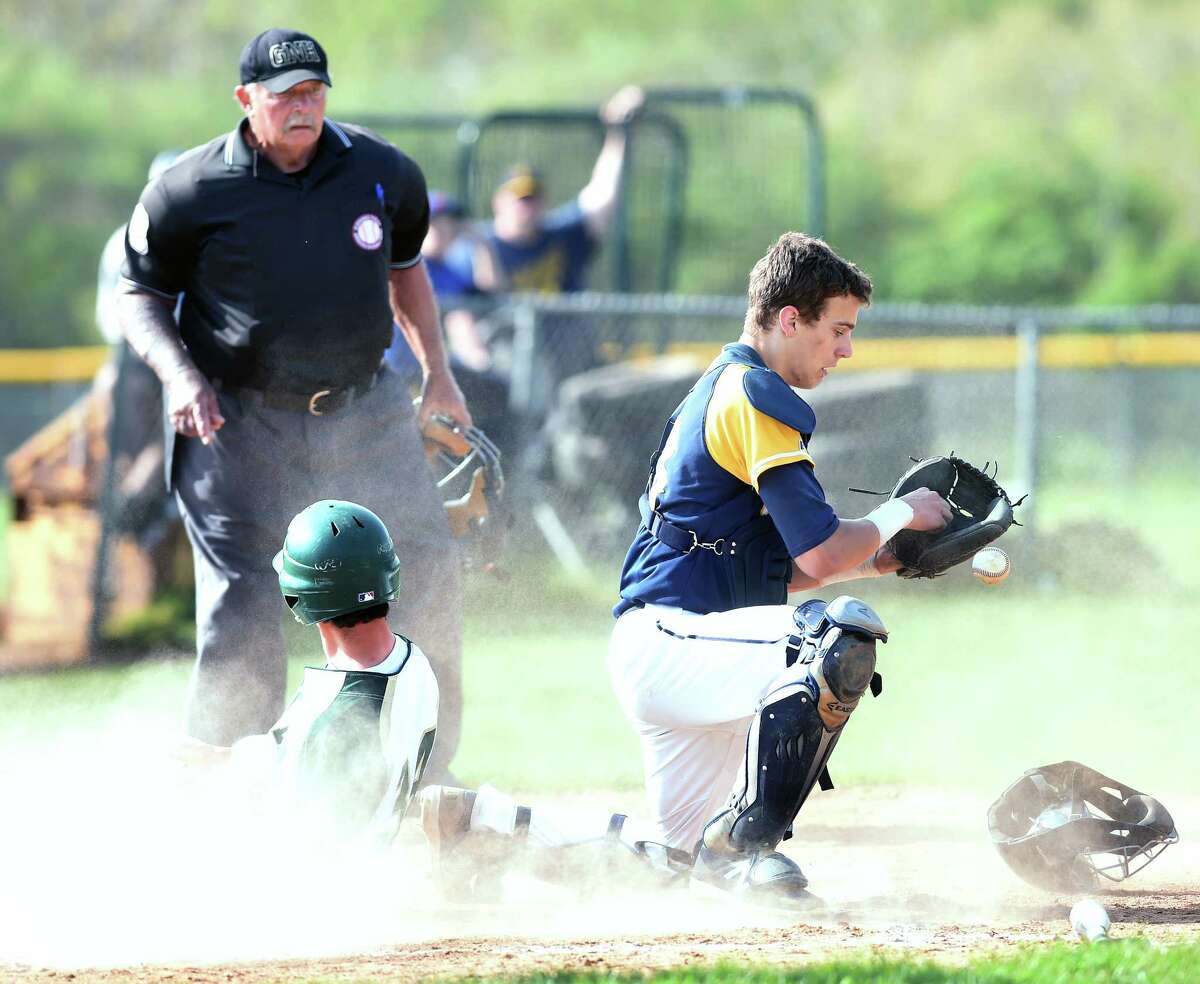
point(284, 276)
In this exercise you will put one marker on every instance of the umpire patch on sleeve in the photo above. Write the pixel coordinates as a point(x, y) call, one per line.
point(139, 229)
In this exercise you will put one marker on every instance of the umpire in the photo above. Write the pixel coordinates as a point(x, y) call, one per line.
point(294, 240)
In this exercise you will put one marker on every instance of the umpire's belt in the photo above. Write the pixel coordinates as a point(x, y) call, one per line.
point(318, 402)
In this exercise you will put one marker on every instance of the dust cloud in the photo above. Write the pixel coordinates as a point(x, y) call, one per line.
point(115, 855)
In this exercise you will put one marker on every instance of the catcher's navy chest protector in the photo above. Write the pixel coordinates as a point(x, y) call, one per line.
point(704, 543)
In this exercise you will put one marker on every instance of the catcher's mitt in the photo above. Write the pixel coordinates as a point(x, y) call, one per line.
point(982, 511)
point(466, 466)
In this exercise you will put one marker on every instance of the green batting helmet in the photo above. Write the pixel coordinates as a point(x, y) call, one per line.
point(337, 558)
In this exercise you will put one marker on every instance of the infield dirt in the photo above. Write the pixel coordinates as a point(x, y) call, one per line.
point(902, 872)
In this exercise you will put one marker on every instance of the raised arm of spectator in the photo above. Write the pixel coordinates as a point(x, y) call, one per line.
point(598, 198)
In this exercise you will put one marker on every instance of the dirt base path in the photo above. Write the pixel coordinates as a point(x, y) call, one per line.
point(889, 886)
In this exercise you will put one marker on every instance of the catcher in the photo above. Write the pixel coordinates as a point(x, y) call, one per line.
point(738, 697)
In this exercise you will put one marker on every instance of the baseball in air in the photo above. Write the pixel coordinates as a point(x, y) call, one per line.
point(991, 565)
point(1089, 920)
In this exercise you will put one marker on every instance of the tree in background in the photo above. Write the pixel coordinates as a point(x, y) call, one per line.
point(979, 151)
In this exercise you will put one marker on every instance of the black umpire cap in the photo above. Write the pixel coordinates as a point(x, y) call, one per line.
point(279, 59)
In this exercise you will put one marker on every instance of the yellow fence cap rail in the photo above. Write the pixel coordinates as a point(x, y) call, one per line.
point(942, 353)
point(52, 365)
point(951, 353)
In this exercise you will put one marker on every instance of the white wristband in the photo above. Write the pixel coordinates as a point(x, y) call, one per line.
point(890, 518)
point(866, 569)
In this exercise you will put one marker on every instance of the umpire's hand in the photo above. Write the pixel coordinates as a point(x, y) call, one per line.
point(192, 405)
point(440, 394)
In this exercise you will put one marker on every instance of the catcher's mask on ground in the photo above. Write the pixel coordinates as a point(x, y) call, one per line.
point(466, 466)
point(1059, 826)
point(337, 558)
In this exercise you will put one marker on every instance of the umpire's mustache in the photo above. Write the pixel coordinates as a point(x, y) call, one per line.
point(297, 121)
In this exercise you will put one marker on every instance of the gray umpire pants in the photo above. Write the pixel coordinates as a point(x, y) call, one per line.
point(237, 496)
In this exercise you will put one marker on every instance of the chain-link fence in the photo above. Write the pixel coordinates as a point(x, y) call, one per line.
point(755, 165)
point(1037, 390)
point(436, 141)
point(691, 152)
point(1090, 395)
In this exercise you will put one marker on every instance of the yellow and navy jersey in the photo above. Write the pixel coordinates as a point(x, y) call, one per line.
point(734, 469)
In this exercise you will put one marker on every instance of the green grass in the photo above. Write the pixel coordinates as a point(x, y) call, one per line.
point(1118, 962)
point(167, 622)
point(979, 686)
point(1080, 654)
point(1152, 508)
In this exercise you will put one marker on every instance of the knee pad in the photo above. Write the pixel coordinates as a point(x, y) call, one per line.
point(799, 723)
point(838, 647)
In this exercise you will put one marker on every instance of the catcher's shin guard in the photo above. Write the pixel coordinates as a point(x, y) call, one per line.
point(799, 723)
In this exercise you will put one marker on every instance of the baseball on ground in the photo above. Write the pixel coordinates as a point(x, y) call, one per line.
point(1089, 920)
point(991, 565)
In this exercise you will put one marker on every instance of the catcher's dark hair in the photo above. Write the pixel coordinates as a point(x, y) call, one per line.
point(351, 619)
point(803, 272)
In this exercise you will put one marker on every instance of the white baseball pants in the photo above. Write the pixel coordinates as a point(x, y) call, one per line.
point(690, 685)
